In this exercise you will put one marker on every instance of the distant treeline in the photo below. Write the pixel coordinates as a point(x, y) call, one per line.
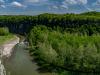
point(86, 22)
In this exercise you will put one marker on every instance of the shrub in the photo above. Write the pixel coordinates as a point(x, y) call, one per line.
point(65, 50)
point(4, 31)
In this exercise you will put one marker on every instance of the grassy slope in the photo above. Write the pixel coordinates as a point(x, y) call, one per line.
point(6, 38)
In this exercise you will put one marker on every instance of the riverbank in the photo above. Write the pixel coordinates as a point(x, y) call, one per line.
point(15, 65)
point(7, 46)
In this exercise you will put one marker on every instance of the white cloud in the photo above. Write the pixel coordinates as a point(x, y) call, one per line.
point(88, 8)
point(3, 6)
point(97, 3)
point(64, 6)
point(55, 7)
point(67, 3)
point(70, 2)
point(82, 1)
point(2, 1)
point(17, 4)
point(74, 2)
point(33, 1)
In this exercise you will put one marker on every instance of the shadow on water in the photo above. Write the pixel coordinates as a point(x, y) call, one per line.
point(20, 63)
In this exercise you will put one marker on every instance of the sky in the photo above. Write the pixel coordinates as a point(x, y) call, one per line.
point(34, 7)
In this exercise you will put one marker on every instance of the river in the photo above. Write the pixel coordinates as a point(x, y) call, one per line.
point(20, 63)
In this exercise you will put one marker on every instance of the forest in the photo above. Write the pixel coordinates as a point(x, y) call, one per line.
point(60, 42)
point(67, 51)
point(83, 22)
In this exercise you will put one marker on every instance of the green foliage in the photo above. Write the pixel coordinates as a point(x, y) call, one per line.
point(69, 22)
point(65, 41)
point(6, 38)
point(4, 31)
point(92, 13)
point(65, 50)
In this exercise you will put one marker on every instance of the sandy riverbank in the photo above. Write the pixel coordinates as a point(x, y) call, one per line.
point(8, 46)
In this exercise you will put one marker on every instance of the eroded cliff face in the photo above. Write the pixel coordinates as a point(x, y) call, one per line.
point(2, 69)
point(6, 50)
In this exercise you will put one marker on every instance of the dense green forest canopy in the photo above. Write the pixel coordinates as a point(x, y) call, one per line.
point(67, 41)
point(60, 41)
point(73, 52)
point(88, 23)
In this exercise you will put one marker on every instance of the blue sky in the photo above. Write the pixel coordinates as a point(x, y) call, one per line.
point(34, 7)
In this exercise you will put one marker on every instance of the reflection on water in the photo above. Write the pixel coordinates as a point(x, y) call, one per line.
point(20, 63)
